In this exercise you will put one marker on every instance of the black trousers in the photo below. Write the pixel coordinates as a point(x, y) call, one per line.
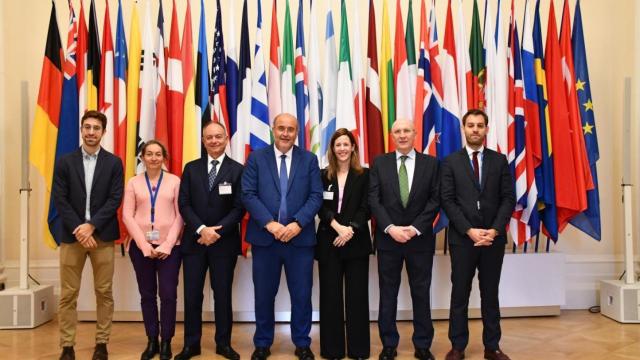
point(419, 265)
point(352, 275)
point(465, 260)
point(194, 269)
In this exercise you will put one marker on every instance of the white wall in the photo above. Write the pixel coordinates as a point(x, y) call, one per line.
point(612, 45)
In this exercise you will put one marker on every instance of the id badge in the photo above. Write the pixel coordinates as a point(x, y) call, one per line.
point(152, 235)
point(225, 189)
point(327, 195)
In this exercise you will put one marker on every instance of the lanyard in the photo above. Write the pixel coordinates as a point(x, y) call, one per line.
point(153, 195)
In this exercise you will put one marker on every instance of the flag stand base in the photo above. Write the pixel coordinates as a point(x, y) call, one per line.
point(26, 308)
point(620, 301)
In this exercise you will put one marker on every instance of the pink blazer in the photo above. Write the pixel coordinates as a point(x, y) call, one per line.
point(136, 213)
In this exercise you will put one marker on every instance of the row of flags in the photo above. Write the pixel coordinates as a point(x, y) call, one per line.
point(538, 98)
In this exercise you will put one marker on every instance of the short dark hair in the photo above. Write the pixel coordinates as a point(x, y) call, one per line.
point(209, 122)
point(475, 112)
point(95, 114)
point(165, 153)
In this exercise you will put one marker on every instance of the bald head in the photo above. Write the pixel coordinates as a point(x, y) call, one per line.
point(403, 133)
point(285, 131)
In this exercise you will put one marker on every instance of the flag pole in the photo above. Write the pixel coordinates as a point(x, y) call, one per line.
point(627, 198)
point(25, 189)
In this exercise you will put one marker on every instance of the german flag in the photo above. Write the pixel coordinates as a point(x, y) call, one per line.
point(93, 61)
point(45, 126)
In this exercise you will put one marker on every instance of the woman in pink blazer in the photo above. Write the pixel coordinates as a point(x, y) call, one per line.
point(150, 213)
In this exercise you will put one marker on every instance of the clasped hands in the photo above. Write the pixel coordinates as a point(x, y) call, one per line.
point(283, 233)
point(345, 233)
point(482, 237)
point(84, 235)
point(209, 235)
point(402, 234)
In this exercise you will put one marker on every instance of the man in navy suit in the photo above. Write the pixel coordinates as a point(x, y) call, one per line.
point(87, 190)
point(210, 205)
point(478, 196)
point(282, 191)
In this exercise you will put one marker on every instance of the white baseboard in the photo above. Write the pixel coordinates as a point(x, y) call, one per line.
point(582, 274)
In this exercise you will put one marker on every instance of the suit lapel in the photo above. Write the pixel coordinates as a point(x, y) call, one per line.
point(224, 168)
point(418, 170)
point(393, 171)
point(346, 192)
point(464, 155)
point(486, 158)
point(295, 161)
point(271, 162)
point(99, 167)
point(204, 173)
point(79, 168)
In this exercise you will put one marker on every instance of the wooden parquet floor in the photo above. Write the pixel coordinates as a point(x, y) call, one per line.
point(573, 335)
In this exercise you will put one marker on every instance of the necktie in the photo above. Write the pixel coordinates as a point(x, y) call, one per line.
point(404, 181)
point(212, 173)
point(476, 167)
point(284, 182)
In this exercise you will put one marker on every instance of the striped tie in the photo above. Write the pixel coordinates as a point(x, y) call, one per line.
point(212, 173)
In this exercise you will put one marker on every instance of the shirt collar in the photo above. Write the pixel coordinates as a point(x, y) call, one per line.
point(87, 156)
point(470, 150)
point(280, 153)
point(411, 155)
point(219, 158)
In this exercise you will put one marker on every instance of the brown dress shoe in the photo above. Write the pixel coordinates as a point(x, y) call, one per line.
point(100, 352)
point(454, 354)
point(67, 353)
point(495, 355)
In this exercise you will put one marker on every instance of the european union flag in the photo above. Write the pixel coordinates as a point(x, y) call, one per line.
point(589, 220)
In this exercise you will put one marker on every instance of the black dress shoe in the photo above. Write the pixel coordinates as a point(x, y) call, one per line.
point(100, 352)
point(188, 352)
point(260, 353)
point(153, 347)
point(304, 353)
point(227, 352)
point(165, 350)
point(68, 353)
point(388, 353)
point(423, 354)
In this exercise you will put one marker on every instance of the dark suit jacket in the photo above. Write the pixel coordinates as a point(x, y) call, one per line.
point(421, 210)
point(199, 206)
point(471, 205)
point(354, 213)
point(70, 195)
point(261, 195)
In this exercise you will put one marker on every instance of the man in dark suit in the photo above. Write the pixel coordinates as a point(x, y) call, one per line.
point(477, 195)
point(210, 205)
point(403, 195)
point(87, 191)
point(282, 191)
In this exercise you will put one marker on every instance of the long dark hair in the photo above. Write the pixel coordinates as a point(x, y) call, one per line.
point(332, 169)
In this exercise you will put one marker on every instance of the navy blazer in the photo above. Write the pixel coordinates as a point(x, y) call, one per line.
point(70, 195)
point(487, 205)
point(386, 205)
point(261, 195)
point(199, 206)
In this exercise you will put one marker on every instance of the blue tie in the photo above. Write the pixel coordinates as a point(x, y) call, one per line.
point(284, 180)
point(212, 173)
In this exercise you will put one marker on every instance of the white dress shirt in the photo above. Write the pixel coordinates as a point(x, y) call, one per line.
point(287, 160)
point(209, 166)
point(480, 151)
point(409, 164)
point(89, 162)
